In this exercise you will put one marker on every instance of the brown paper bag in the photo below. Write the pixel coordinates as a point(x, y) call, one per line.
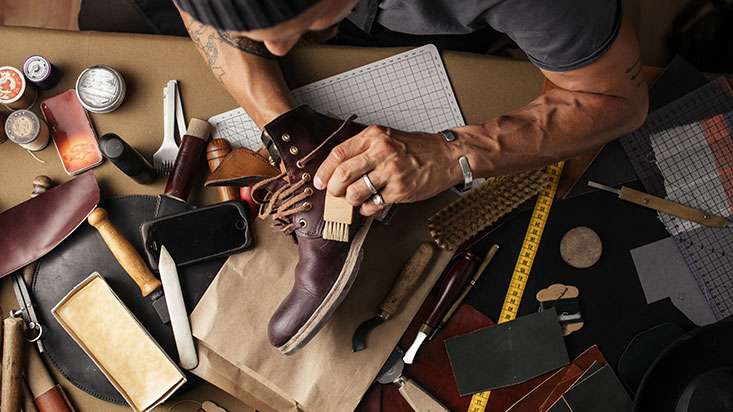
point(231, 319)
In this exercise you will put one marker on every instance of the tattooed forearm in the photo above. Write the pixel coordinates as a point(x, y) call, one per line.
point(206, 40)
point(634, 71)
point(246, 45)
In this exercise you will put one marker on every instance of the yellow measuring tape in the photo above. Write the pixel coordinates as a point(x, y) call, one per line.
point(524, 263)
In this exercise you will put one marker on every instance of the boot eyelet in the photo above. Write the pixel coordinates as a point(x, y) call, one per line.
point(293, 150)
point(308, 191)
point(307, 206)
point(303, 223)
point(285, 137)
point(299, 164)
point(306, 177)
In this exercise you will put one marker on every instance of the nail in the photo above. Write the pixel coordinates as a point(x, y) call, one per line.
point(318, 183)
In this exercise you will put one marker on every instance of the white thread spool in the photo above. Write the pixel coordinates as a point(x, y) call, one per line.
point(27, 130)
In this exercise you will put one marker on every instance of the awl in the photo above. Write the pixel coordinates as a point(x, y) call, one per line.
point(131, 261)
point(454, 279)
point(187, 357)
point(667, 206)
point(403, 286)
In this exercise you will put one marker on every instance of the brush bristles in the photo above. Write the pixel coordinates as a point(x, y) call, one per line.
point(483, 206)
point(336, 231)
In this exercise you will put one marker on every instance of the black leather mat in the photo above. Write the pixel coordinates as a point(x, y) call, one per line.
point(83, 253)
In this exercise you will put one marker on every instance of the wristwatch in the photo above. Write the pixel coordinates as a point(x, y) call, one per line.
point(450, 136)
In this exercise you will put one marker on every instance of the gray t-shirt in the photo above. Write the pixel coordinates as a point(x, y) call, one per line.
point(556, 35)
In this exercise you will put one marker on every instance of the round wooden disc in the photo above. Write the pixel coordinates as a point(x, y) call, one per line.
point(581, 247)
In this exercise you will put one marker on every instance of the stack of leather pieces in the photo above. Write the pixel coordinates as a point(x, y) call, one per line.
point(431, 369)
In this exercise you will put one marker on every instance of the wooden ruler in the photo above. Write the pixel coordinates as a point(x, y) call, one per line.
point(523, 267)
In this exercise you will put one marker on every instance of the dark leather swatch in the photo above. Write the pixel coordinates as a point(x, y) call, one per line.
point(507, 354)
point(599, 392)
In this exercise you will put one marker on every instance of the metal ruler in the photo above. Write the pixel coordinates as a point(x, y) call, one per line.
point(523, 267)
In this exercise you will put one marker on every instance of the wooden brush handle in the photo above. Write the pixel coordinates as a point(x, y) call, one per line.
point(672, 208)
point(407, 279)
point(124, 252)
point(451, 284)
point(11, 393)
point(216, 151)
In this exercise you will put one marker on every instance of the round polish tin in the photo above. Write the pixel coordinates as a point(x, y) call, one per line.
point(27, 130)
point(100, 89)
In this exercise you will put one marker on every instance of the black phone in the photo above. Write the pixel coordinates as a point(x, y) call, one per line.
point(200, 234)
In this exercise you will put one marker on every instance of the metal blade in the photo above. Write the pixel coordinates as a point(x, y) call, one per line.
point(597, 185)
point(169, 109)
point(392, 369)
point(180, 119)
point(358, 341)
point(161, 306)
point(177, 310)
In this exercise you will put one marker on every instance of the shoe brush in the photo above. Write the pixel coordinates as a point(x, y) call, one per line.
point(337, 216)
point(483, 206)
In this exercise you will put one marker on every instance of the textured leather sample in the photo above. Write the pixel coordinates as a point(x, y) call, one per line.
point(85, 252)
point(508, 353)
point(34, 227)
point(103, 326)
point(241, 167)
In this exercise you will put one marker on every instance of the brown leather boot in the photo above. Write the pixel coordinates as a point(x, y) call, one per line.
point(301, 139)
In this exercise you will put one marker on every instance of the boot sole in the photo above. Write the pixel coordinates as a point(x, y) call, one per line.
point(335, 296)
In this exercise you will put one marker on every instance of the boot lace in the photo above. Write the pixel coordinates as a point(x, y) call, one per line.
point(283, 199)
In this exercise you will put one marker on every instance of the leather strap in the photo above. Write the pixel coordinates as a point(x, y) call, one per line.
point(241, 167)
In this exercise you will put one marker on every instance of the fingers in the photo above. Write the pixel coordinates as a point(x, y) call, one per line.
point(358, 192)
point(370, 208)
point(341, 153)
point(349, 173)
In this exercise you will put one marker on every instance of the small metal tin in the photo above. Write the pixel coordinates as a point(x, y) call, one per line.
point(15, 92)
point(41, 72)
point(100, 89)
point(27, 130)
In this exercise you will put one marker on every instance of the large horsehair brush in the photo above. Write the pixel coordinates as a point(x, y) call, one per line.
point(483, 206)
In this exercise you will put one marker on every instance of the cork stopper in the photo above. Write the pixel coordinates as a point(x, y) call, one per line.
point(198, 128)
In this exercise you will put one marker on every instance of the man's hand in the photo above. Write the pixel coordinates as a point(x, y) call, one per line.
point(403, 166)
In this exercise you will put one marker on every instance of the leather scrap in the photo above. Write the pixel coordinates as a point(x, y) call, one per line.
point(241, 167)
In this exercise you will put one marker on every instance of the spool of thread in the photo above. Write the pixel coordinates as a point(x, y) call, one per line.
point(216, 151)
point(27, 130)
point(3, 137)
point(15, 91)
point(126, 158)
point(41, 72)
point(100, 89)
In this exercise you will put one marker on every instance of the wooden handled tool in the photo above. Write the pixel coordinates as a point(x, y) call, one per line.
point(454, 279)
point(11, 393)
point(47, 394)
point(131, 261)
point(404, 284)
point(124, 252)
point(666, 206)
point(188, 160)
point(216, 151)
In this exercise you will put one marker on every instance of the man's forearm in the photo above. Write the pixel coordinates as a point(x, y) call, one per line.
point(255, 82)
point(558, 125)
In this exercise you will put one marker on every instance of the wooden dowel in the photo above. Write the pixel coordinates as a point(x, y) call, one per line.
point(12, 384)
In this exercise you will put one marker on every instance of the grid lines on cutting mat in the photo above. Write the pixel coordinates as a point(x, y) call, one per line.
point(684, 152)
point(409, 91)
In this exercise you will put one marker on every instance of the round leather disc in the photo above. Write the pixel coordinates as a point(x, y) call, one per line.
point(581, 247)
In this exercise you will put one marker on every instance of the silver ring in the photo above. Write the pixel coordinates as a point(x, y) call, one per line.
point(378, 199)
point(369, 184)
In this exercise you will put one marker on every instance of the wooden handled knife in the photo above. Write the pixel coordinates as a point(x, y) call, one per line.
point(131, 261)
point(404, 284)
